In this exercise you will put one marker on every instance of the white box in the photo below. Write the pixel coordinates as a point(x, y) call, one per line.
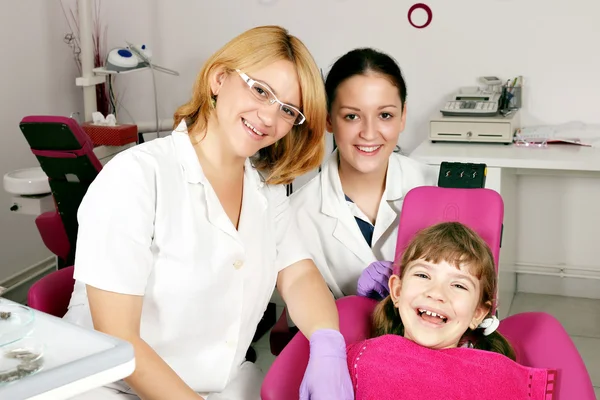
point(497, 129)
point(32, 205)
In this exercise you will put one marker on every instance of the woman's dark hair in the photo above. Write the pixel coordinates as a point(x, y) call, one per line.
point(361, 62)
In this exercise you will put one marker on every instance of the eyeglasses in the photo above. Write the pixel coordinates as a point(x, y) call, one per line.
point(262, 93)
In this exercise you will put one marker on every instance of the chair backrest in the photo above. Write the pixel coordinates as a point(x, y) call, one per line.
point(65, 153)
point(52, 293)
point(480, 209)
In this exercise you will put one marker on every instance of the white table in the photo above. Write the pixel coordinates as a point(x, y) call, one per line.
point(505, 163)
point(76, 360)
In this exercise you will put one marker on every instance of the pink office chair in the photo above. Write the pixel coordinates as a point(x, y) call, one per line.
point(532, 334)
point(65, 153)
point(52, 293)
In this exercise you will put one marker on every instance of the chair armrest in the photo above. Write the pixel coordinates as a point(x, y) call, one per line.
point(53, 233)
point(540, 341)
point(285, 375)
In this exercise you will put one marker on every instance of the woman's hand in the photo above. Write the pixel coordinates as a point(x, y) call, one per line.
point(313, 310)
point(373, 281)
point(327, 376)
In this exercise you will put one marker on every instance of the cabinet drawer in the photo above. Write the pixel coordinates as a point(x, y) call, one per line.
point(483, 131)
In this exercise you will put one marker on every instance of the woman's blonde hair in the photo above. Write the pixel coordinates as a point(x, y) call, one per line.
point(302, 149)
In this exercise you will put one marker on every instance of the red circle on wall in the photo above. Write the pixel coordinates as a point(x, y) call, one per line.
point(423, 7)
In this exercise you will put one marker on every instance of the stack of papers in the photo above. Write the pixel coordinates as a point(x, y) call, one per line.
point(571, 133)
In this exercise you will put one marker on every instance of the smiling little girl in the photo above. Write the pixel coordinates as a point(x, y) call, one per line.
point(434, 336)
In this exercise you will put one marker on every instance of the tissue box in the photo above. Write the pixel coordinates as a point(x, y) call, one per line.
point(118, 135)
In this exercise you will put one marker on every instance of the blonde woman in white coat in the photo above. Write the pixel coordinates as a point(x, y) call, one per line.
point(348, 215)
point(182, 239)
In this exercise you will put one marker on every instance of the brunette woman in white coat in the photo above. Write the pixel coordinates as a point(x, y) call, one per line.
point(348, 214)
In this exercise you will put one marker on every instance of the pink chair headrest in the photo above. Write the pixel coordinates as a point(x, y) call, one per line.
point(480, 209)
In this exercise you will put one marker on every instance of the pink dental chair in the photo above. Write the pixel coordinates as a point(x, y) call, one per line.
point(65, 153)
point(52, 293)
point(538, 338)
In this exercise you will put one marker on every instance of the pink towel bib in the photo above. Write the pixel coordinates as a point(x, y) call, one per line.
point(392, 367)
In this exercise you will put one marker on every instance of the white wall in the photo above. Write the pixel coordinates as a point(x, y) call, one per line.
point(548, 42)
point(37, 76)
point(552, 43)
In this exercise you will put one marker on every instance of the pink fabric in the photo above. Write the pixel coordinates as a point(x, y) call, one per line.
point(480, 209)
point(531, 335)
point(392, 367)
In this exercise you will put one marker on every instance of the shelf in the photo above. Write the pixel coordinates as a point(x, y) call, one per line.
point(104, 71)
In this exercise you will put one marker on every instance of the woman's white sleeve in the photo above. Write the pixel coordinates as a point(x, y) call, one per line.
point(290, 246)
point(116, 225)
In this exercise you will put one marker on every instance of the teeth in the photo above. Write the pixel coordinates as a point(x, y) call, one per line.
point(368, 149)
point(259, 133)
point(423, 311)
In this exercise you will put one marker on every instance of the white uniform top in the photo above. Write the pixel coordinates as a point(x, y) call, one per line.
point(152, 225)
point(332, 235)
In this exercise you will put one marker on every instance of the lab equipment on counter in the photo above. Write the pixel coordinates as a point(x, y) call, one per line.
point(20, 355)
point(497, 129)
point(472, 102)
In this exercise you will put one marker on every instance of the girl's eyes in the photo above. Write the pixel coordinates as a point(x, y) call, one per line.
point(456, 285)
point(351, 117)
point(386, 115)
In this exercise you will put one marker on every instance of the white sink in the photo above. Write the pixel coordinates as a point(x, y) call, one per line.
point(27, 182)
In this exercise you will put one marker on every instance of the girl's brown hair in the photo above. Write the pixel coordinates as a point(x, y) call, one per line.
point(458, 245)
point(302, 149)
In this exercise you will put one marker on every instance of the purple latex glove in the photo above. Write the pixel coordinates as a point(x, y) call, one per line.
point(373, 281)
point(327, 376)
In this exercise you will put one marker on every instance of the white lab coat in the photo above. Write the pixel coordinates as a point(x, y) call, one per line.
point(329, 229)
point(151, 224)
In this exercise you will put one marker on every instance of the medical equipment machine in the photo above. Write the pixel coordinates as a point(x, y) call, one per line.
point(538, 338)
point(497, 129)
point(65, 153)
point(472, 102)
point(133, 57)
